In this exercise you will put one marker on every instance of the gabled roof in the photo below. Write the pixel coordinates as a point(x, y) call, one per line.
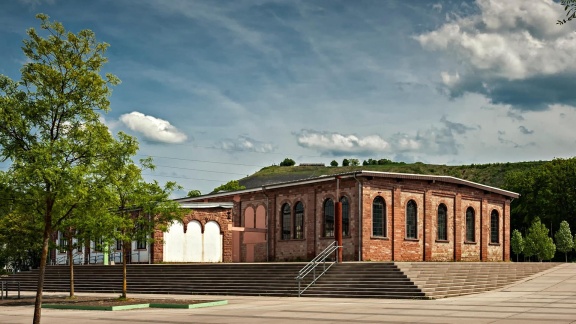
point(361, 173)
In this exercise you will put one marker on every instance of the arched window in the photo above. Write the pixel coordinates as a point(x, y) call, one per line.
point(379, 217)
point(286, 222)
point(345, 216)
point(470, 225)
point(494, 227)
point(329, 218)
point(299, 221)
point(411, 220)
point(442, 223)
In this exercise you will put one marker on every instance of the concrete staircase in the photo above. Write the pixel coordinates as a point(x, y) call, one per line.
point(449, 279)
point(265, 279)
point(365, 280)
point(418, 280)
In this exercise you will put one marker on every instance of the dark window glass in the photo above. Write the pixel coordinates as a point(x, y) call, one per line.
point(495, 227)
point(329, 218)
point(411, 220)
point(470, 225)
point(286, 222)
point(442, 222)
point(118, 245)
point(299, 221)
point(142, 237)
point(379, 217)
point(345, 216)
point(62, 243)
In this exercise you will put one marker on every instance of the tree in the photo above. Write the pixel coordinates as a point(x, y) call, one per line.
point(517, 243)
point(139, 207)
point(564, 241)
point(50, 128)
point(334, 163)
point(540, 244)
point(345, 162)
point(570, 8)
point(229, 186)
point(194, 193)
point(354, 162)
point(288, 162)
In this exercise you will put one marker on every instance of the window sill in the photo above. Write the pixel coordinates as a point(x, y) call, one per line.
point(379, 238)
point(494, 244)
point(411, 239)
point(292, 240)
point(469, 242)
point(442, 241)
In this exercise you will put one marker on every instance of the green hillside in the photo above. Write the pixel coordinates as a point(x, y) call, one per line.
point(492, 174)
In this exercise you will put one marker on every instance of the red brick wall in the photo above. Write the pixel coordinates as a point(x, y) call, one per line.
point(396, 193)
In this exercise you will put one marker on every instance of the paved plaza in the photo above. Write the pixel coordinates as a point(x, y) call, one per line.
point(548, 297)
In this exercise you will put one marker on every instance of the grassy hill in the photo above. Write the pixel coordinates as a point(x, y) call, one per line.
point(492, 174)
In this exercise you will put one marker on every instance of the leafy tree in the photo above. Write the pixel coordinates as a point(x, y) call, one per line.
point(384, 161)
point(365, 162)
point(564, 241)
point(334, 163)
point(139, 206)
point(354, 162)
point(570, 8)
point(539, 243)
point(345, 162)
point(547, 190)
point(229, 186)
point(194, 193)
point(517, 243)
point(288, 162)
point(50, 128)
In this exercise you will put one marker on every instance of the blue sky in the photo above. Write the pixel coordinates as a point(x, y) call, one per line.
point(216, 90)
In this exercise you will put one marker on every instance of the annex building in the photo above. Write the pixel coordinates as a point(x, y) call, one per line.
point(381, 216)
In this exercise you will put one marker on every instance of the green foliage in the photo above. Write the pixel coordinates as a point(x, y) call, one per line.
point(570, 8)
point(194, 193)
point(229, 186)
point(564, 241)
point(334, 163)
point(547, 190)
point(517, 243)
point(345, 162)
point(288, 162)
point(538, 243)
point(51, 130)
point(354, 162)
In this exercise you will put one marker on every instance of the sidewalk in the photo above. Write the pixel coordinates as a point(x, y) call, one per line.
point(547, 297)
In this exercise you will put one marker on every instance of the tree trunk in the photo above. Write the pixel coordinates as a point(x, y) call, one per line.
point(71, 266)
point(124, 261)
point(42, 270)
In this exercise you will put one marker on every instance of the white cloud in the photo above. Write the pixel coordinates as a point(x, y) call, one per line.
point(246, 144)
point(335, 143)
point(510, 46)
point(152, 128)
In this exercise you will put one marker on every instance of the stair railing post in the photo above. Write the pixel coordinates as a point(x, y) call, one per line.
point(18, 289)
point(2, 290)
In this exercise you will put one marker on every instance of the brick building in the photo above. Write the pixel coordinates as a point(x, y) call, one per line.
point(385, 217)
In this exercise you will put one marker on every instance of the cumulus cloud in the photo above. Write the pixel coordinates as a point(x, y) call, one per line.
point(338, 144)
point(510, 51)
point(525, 130)
point(435, 140)
point(152, 128)
point(245, 144)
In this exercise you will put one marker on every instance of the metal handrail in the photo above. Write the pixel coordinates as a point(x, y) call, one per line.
point(311, 266)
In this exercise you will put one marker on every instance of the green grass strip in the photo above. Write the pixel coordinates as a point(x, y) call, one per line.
point(190, 306)
point(102, 308)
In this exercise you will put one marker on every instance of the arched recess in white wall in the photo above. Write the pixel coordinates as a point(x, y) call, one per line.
point(193, 250)
point(212, 242)
point(174, 242)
